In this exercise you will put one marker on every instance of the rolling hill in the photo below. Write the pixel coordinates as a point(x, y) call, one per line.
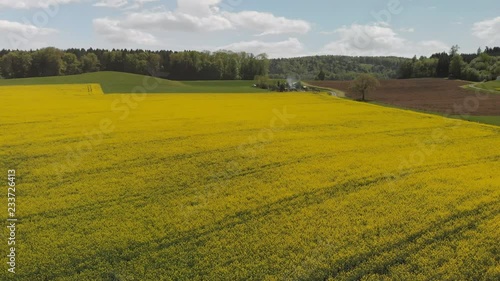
point(119, 82)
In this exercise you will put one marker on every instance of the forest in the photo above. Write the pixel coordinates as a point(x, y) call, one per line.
point(335, 67)
point(227, 65)
point(186, 65)
point(483, 65)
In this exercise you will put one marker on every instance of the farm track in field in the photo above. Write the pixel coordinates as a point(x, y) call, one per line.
point(451, 227)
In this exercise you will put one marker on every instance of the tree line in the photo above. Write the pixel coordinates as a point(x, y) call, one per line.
point(480, 66)
point(227, 65)
point(483, 65)
point(185, 65)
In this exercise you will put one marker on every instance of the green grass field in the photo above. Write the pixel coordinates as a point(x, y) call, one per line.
point(492, 120)
point(490, 86)
point(118, 82)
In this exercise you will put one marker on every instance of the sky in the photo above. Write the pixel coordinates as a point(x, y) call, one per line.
point(278, 28)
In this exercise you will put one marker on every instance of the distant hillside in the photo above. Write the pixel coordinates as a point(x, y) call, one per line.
point(483, 65)
point(335, 67)
point(119, 82)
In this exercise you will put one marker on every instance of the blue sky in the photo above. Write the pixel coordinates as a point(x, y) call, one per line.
point(277, 27)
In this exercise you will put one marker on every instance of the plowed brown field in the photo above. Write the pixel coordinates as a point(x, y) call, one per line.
point(435, 95)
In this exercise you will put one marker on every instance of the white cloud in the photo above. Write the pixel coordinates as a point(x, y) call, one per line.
point(288, 48)
point(206, 16)
point(267, 23)
point(408, 30)
point(20, 35)
point(112, 31)
point(137, 4)
point(123, 4)
point(378, 40)
point(27, 30)
point(111, 3)
point(198, 8)
point(488, 30)
point(167, 20)
point(430, 47)
point(26, 4)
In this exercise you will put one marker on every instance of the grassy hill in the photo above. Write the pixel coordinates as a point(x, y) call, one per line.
point(118, 82)
point(491, 85)
point(492, 120)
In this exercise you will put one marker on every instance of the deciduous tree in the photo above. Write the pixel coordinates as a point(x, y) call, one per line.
point(364, 84)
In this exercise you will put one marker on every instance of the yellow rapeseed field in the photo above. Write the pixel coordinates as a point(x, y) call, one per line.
point(245, 187)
